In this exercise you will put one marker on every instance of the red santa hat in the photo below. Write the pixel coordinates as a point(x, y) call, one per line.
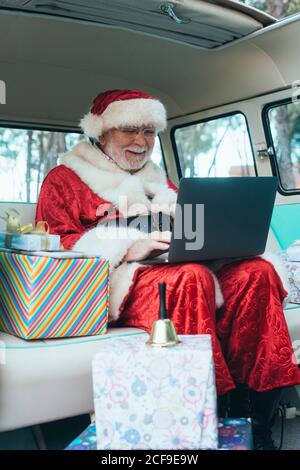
point(117, 108)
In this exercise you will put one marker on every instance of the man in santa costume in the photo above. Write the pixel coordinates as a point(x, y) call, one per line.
point(89, 200)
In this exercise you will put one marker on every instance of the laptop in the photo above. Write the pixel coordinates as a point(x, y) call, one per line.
point(219, 218)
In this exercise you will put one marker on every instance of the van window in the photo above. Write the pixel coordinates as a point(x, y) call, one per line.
point(276, 8)
point(27, 156)
point(215, 147)
point(283, 122)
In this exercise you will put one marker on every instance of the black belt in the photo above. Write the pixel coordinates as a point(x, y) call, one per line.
point(145, 223)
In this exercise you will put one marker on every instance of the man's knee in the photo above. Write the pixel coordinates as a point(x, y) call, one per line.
point(194, 272)
point(255, 269)
point(264, 268)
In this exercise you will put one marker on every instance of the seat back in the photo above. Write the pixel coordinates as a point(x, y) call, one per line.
point(285, 224)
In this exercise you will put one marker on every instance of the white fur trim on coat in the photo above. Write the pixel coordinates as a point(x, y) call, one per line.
point(120, 282)
point(218, 292)
point(113, 243)
point(280, 269)
point(114, 185)
point(132, 112)
point(109, 242)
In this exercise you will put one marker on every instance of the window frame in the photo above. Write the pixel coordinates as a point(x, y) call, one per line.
point(211, 118)
point(163, 156)
point(270, 143)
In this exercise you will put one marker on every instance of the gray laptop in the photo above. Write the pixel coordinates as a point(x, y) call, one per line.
point(220, 218)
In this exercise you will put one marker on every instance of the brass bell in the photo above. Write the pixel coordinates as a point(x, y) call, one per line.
point(163, 332)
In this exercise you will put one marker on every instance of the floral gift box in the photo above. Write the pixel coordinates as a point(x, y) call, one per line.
point(291, 260)
point(155, 398)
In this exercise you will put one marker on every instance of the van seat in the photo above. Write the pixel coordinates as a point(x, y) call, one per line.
point(285, 228)
point(285, 224)
point(47, 380)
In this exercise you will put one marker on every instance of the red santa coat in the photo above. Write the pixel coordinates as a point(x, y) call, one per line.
point(82, 192)
point(87, 189)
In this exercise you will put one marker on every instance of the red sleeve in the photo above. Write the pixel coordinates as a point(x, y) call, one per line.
point(58, 205)
point(172, 186)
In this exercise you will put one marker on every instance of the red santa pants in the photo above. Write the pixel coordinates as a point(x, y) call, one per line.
point(250, 339)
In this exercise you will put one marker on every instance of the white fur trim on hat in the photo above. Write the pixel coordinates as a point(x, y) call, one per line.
point(132, 112)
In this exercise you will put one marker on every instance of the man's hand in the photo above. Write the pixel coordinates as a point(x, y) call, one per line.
point(156, 244)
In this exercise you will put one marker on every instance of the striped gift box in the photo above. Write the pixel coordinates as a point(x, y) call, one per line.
point(44, 297)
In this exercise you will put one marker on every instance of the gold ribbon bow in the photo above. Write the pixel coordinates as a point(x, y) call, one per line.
point(14, 227)
point(42, 229)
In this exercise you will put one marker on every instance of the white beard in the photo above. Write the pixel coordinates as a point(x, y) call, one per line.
point(119, 156)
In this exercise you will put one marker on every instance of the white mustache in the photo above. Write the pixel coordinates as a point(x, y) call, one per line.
point(136, 149)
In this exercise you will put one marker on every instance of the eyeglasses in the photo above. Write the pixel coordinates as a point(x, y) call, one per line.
point(131, 132)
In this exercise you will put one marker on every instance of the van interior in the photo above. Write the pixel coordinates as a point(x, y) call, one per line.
point(229, 76)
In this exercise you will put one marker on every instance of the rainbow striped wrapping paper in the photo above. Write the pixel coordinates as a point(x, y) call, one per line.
point(44, 297)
